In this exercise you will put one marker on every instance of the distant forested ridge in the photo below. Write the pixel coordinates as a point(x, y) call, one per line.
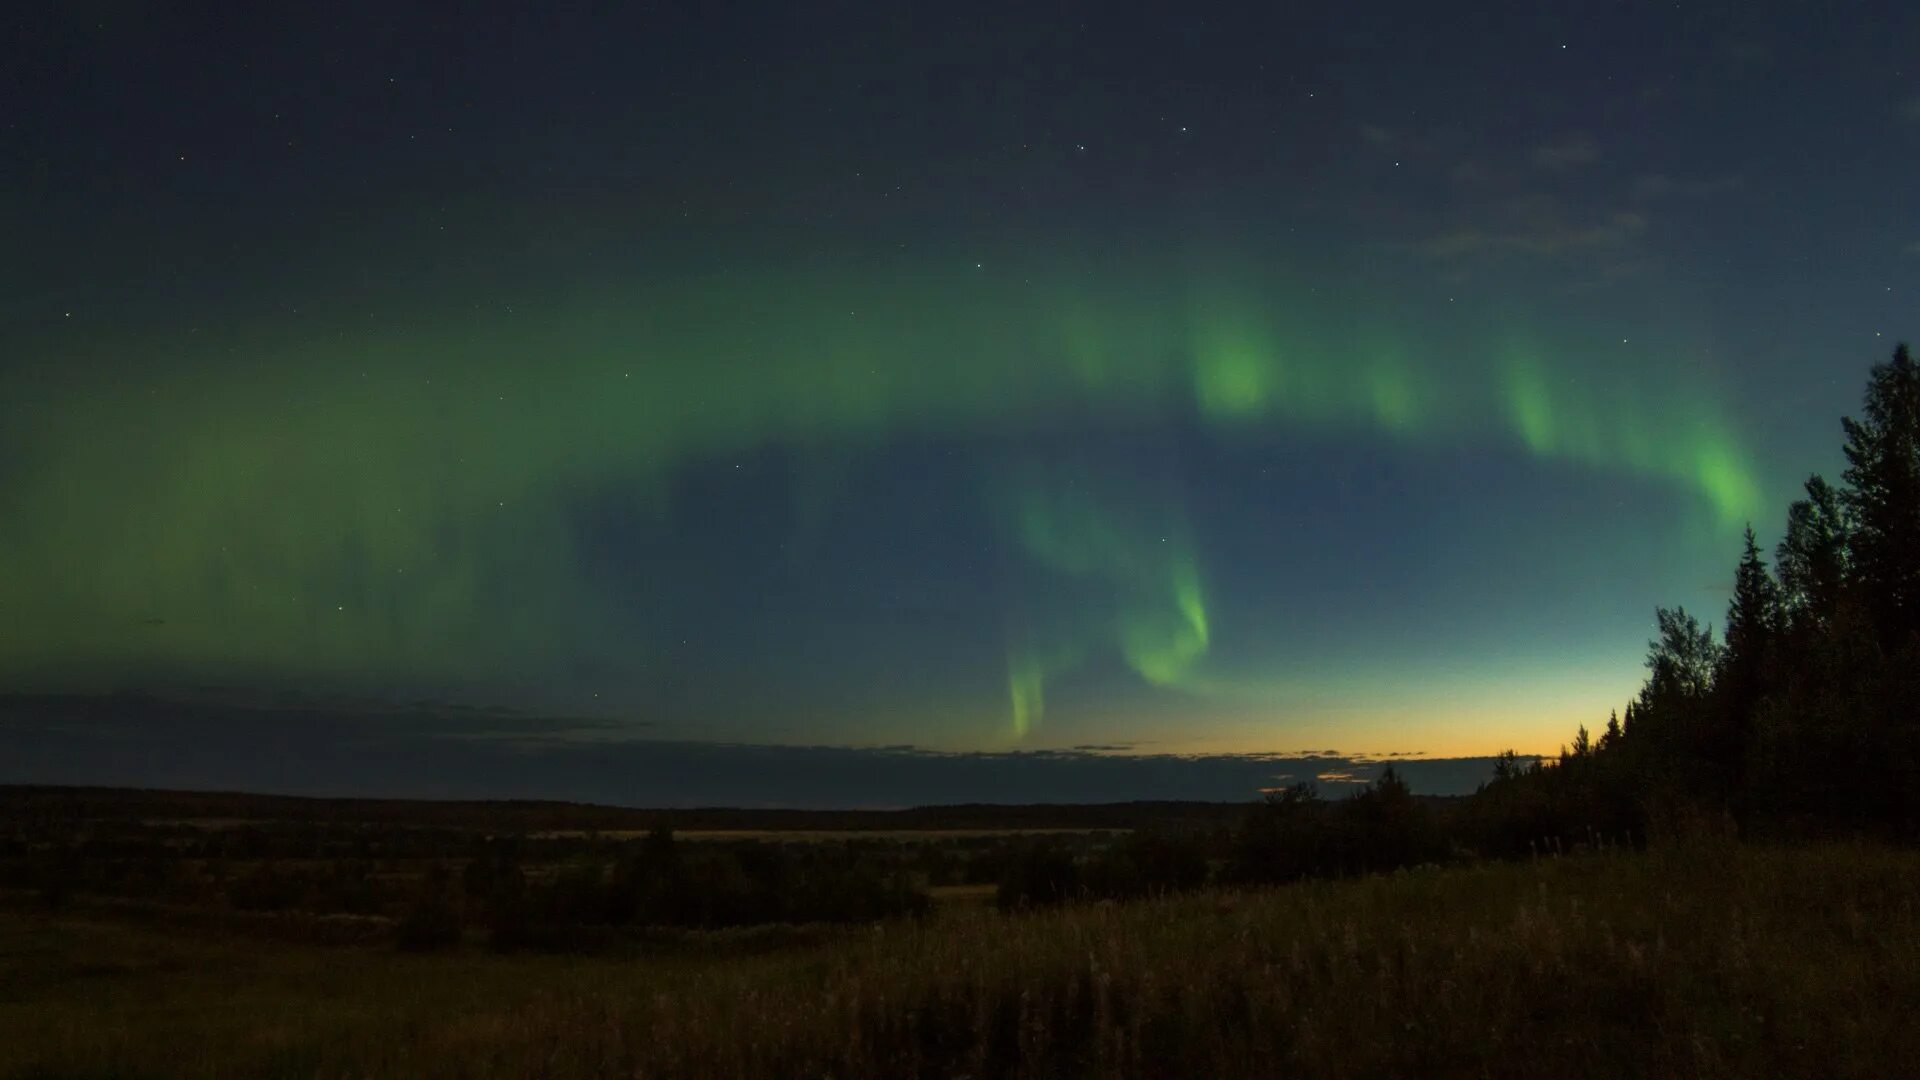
point(20, 802)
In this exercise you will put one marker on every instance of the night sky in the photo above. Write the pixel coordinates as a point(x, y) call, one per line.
point(1350, 378)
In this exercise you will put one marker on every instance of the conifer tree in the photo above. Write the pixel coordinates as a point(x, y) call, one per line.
point(1747, 671)
point(1883, 498)
point(1681, 661)
point(1813, 557)
point(1753, 628)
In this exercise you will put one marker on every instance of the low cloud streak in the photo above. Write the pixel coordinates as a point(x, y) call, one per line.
point(307, 752)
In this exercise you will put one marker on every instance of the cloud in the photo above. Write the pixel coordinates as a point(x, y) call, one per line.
point(193, 746)
point(1570, 151)
point(1653, 186)
point(1468, 172)
point(1375, 135)
point(1910, 110)
point(1739, 55)
point(1538, 224)
point(1911, 249)
point(1648, 187)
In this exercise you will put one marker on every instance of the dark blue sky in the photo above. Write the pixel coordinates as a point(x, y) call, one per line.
point(990, 379)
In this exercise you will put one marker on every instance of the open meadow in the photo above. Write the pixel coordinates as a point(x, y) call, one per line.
point(1702, 960)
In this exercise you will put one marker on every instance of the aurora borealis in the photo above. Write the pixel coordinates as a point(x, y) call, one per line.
point(1223, 387)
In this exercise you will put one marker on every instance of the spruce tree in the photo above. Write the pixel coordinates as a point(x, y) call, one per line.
point(1883, 498)
point(1753, 626)
point(1675, 725)
point(1813, 557)
point(1681, 662)
point(1747, 670)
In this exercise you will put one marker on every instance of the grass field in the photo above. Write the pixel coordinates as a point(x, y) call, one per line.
point(1720, 961)
point(820, 836)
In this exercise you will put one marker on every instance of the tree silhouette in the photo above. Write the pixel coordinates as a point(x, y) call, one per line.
point(1747, 664)
point(1753, 615)
point(1883, 496)
point(1813, 557)
point(1682, 662)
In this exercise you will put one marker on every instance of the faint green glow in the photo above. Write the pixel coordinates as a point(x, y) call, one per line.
point(1234, 379)
point(1531, 408)
point(1727, 483)
point(1395, 406)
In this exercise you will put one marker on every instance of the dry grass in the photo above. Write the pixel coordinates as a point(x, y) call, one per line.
point(963, 895)
point(1715, 962)
point(821, 836)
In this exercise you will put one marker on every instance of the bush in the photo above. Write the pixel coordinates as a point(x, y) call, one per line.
point(1039, 873)
point(1145, 864)
point(432, 923)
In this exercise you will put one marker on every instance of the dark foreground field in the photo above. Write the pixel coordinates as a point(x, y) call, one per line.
point(1719, 961)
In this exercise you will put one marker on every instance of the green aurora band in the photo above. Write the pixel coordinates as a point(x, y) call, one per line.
point(389, 503)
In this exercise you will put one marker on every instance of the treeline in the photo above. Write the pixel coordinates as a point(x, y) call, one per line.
point(1803, 716)
point(1290, 835)
point(435, 887)
point(27, 803)
point(659, 881)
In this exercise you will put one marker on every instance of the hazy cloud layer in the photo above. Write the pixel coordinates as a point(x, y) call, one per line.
point(1567, 152)
point(1539, 224)
point(436, 755)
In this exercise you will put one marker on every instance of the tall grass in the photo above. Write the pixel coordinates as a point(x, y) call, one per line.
point(1718, 961)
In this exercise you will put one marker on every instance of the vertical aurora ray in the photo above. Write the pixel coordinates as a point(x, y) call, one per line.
point(1026, 691)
